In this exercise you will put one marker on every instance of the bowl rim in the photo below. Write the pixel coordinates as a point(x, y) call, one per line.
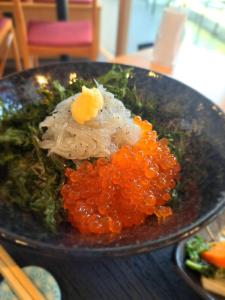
point(58, 250)
point(142, 247)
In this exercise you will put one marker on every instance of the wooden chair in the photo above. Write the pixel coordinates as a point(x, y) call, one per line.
point(43, 38)
point(45, 10)
point(8, 39)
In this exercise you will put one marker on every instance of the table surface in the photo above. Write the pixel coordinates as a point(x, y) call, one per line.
point(199, 68)
point(151, 276)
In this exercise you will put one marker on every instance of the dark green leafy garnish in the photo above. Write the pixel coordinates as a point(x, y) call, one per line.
point(193, 249)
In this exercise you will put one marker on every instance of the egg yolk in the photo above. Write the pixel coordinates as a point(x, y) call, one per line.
point(87, 105)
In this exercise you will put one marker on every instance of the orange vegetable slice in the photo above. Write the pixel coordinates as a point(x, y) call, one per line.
point(215, 255)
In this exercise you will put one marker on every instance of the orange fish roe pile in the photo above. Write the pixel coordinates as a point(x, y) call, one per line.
point(108, 195)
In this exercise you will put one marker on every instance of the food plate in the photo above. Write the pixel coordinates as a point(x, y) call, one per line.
point(177, 107)
point(193, 278)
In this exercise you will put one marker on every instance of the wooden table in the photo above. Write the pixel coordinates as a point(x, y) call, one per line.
point(152, 276)
point(199, 68)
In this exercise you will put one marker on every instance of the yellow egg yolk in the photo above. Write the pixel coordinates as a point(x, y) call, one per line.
point(87, 105)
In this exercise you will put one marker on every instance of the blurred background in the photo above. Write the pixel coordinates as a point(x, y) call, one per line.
point(182, 39)
point(205, 25)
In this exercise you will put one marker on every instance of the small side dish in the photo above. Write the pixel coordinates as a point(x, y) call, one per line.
point(208, 259)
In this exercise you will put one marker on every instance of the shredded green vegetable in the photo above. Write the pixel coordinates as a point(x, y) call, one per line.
point(194, 247)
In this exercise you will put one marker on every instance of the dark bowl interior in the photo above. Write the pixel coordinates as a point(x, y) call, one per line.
point(203, 194)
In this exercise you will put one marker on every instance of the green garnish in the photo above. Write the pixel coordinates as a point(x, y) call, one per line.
point(193, 249)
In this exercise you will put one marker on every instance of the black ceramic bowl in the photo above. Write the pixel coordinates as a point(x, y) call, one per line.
point(203, 176)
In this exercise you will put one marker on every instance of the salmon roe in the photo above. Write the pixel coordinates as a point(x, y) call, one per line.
point(111, 194)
